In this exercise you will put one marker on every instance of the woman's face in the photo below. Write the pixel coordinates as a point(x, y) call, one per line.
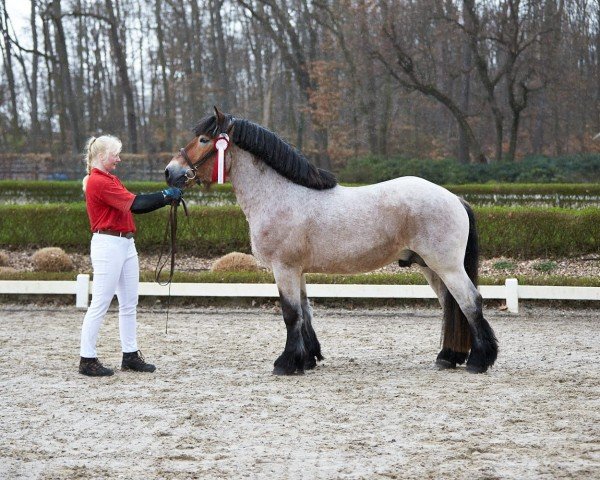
point(110, 161)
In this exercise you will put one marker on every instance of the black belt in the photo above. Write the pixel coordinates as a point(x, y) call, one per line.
point(114, 233)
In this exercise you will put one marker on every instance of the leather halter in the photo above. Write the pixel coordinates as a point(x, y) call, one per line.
point(194, 166)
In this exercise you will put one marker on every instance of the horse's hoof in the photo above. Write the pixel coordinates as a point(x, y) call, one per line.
point(283, 371)
point(310, 364)
point(476, 368)
point(443, 364)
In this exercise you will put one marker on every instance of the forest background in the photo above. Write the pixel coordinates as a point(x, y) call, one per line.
point(479, 82)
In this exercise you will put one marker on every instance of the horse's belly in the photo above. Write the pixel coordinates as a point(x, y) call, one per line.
point(343, 257)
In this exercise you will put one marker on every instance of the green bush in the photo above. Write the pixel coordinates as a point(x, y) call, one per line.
point(537, 232)
point(534, 169)
point(504, 265)
point(509, 232)
point(545, 266)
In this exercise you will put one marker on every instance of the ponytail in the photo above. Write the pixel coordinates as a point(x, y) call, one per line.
point(87, 158)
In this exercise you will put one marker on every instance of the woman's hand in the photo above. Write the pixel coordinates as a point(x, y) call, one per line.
point(172, 193)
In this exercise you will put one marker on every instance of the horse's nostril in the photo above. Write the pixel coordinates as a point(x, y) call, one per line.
point(167, 173)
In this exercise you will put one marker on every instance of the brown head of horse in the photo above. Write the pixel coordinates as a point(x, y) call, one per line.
point(198, 161)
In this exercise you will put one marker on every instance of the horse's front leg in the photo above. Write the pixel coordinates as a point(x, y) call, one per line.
point(294, 355)
point(311, 342)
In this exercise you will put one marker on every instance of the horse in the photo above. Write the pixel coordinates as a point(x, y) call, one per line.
point(302, 221)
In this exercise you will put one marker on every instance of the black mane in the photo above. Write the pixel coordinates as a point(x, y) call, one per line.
point(272, 150)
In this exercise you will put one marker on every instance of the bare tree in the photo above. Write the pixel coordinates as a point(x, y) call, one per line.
point(54, 11)
point(400, 63)
point(8, 66)
point(169, 122)
point(120, 58)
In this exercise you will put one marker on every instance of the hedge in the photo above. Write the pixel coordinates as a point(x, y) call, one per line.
point(208, 230)
point(538, 232)
point(12, 191)
point(512, 232)
point(533, 169)
point(40, 191)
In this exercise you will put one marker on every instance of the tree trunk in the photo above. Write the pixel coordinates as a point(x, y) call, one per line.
point(51, 81)
point(35, 121)
point(10, 76)
point(66, 82)
point(220, 55)
point(514, 133)
point(120, 58)
point(537, 142)
point(465, 90)
point(474, 31)
point(197, 54)
point(386, 114)
point(166, 144)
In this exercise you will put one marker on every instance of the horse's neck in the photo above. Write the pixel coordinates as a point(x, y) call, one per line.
point(256, 184)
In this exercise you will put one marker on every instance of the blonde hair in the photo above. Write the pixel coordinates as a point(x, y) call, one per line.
point(97, 146)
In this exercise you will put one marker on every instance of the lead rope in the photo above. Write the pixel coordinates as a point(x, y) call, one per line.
point(171, 228)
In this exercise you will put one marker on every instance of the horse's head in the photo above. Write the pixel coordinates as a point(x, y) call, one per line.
point(197, 162)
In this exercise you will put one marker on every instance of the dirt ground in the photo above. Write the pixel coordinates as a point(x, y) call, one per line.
point(375, 408)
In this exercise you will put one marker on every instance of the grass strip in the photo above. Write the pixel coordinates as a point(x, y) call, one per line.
point(363, 279)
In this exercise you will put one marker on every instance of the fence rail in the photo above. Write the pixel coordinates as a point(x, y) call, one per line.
point(511, 291)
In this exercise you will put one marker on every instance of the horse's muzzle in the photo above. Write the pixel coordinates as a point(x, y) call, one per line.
point(175, 177)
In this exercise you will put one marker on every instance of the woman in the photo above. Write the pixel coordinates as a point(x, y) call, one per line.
point(114, 257)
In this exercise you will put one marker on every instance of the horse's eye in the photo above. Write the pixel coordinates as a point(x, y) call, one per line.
point(203, 140)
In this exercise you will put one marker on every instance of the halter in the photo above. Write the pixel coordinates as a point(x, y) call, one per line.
point(220, 145)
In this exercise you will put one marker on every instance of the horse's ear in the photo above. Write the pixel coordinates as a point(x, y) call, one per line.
point(220, 116)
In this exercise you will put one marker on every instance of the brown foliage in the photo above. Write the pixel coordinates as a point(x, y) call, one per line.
point(235, 262)
point(4, 259)
point(51, 259)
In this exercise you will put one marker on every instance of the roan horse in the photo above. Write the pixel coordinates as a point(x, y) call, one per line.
point(302, 221)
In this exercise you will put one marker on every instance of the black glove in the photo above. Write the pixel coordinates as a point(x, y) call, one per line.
point(172, 193)
point(148, 202)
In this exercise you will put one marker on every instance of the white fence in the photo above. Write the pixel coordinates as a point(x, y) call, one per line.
point(511, 291)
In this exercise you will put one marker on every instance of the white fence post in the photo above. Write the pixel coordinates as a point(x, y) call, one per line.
point(512, 295)
point(82, 291)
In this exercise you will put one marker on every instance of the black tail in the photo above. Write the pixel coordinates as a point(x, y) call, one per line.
point(457, 333)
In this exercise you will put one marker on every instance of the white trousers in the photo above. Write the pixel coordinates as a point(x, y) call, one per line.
point(116, 270)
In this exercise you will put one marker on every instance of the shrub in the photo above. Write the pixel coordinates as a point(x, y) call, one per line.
point(4, 259)
point(536, 169)
point(235, 262)
point(52, 259)
point(545, 267)
point(537, 232)
point(504, 265)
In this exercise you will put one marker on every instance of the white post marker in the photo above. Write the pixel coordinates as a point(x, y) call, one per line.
point(222, 144)
point(82, 291)
point(512, 295)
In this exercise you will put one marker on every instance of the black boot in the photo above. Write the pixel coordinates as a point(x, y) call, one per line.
point(135, 361)
point(93, 368)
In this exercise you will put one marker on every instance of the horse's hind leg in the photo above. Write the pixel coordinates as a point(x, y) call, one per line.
point(313, 347)
point(484, 346)
point(454, 350)
point(294, 355)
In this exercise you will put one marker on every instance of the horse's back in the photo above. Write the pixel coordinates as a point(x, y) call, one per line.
point(403, 185)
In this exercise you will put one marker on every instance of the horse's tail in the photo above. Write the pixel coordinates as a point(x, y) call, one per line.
point(457, 333)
